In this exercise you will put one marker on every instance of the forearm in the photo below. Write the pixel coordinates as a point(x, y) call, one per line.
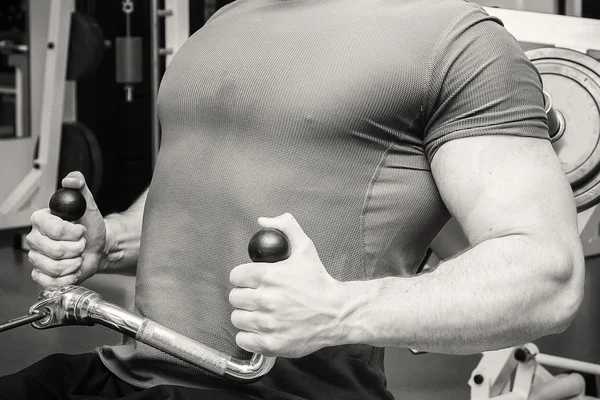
point(500, 293)
point(123, 235)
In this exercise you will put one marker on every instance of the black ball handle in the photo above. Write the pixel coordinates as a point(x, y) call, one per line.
point(68, 204)
point(269, 245)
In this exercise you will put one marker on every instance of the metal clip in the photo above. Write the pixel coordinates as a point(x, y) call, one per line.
point(127, 6)
point(63, 306)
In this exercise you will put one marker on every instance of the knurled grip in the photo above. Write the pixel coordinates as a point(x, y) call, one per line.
point(182, 347)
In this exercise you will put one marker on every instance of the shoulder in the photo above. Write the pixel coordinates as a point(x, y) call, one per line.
point(229, 9)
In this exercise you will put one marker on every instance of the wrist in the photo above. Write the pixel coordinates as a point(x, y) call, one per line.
point(109, 251)
point(356, 319)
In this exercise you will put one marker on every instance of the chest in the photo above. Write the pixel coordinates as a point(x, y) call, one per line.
point(256, 66)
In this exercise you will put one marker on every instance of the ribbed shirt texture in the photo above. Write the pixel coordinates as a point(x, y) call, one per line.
point(331, 110)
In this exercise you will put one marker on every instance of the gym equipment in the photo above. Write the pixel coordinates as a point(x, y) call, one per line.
point(176, 32)
point(8, 47)
point(76, 305)
point(566, 51)
point(572, 81)
point(67, 204)
point(540, 30)
point(511, 374)
point(86, 46)
point(79, 151)
point(128, 56)
point(51, 99)
point(268, 245)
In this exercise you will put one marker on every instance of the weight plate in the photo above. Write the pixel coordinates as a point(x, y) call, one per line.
point(573, 81)
point(575, 95)
point(86, 46)
point(80, 151)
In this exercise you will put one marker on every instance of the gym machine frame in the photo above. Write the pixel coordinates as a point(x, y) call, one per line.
point(53, 97)
point(52, 102)
point(176, 32)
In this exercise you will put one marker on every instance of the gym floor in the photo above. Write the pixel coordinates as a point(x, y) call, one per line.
point(410, 377)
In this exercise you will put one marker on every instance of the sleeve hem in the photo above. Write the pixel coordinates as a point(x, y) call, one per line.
point(517, 131)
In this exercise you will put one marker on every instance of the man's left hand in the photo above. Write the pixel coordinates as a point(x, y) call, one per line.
point(290, 308)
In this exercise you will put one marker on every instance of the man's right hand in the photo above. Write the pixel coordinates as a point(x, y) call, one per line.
point(65, 253)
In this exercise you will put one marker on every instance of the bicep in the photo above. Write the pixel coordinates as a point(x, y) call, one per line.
point(505, 185)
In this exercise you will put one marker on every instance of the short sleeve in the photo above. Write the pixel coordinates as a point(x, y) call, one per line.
point(481, 83)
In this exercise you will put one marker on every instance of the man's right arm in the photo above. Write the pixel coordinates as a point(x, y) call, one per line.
point(123, 234)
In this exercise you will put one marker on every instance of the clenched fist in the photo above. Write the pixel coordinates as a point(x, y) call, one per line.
point(62, 252)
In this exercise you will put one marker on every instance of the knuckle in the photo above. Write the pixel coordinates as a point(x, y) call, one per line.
point(266, 274)
point(57, 251)
point(38, 278)
point(267, 302)
point(31, 256)
point(35, 217)
point(57, 231)
point(77, 263)
point(29, 239)
point(53, 268)
point(267, 345)
point(268, 325)
point(70, 280)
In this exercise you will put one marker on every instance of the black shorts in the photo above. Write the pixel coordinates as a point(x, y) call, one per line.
point(84, 377)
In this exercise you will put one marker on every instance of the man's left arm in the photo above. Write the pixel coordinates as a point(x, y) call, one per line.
point(522, 277)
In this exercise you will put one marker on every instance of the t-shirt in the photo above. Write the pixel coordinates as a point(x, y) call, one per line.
point(330, 110)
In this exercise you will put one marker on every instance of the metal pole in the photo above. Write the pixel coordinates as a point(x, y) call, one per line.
point(565, 363)
point(155, 72)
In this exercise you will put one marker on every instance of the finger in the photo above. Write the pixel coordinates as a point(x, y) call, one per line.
point(76, 180)
point(253, 321)
point(287, 224)
point(248, 275)
point(251, 342)
point(56, 228)
point(243, 299)
point(47, 282)
point(242, 320)
point(55, 249)
point(563, 387)
point(54, 268)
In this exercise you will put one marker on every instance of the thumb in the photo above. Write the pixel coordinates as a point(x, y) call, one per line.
point(76, 180)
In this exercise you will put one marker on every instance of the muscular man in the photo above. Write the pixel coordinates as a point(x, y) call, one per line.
point(357, 128)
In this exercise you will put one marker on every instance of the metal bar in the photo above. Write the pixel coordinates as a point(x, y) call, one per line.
point(155, 78)
point(53, 97)
point(25, 190)
point(19, 103)
point(16, 322)
point(177, 26)
point(8, 90)
point(574, 8)
point(568, 364)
